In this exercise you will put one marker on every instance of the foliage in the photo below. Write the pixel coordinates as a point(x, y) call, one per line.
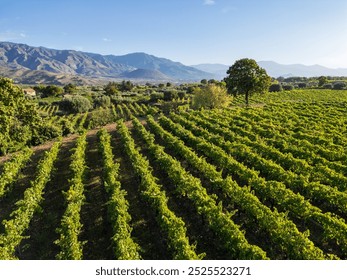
point(126, 86)
point(288, 87)
point(246, 77)
point(48, 91)
point(169, 95)
point(69, 243)
point(12, 168)
point(19, 118)
point(76, 104)
point(125, 247)
point(191, 187)
point(302, 85)
point(173, 226)
point(339, 85)
point(100, 117)
point(155, 96)
point(26, 207)
point(210, 96)
point(111, 88)
point(322, 80)
point(70, 88)
point(102, 101)
point(275, 88)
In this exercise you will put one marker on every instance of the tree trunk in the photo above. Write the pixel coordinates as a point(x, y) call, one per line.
point(247, 98)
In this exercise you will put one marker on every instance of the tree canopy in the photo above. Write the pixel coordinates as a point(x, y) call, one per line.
point(19, 118)
point(210, 96)
point(246, 77)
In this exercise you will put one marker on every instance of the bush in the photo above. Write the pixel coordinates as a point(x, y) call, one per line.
point(339, 85)
point(170, 95)
point(102, 101)
point(181, 94)
point(46, 132)
point(154, 97)
point(211, 96)
point(111, 88)
point(288, 87)
point(275, 88)
point(76, 104)
point(328, 86)
point(302, 85)
point(100, 117)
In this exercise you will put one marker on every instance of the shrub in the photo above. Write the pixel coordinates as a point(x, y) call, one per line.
point(156, 96)
point(302, 85)
point(170, 95)
point(181, 94)
point(76, 104)
point(275, 88)
point(100, 117)
point(339, 85)
point(211, 96)
point(328, 86)
point(47, 131)
point(102, 101)
point(288, 87)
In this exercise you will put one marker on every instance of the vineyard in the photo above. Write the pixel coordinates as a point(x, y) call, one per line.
point(261, 182)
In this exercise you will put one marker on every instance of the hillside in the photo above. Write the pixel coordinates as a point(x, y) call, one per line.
point(69, 62)
point(145, 74)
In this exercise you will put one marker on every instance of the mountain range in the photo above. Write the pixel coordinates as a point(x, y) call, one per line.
point(18, 60)
point(276, 70)
point(33, 65)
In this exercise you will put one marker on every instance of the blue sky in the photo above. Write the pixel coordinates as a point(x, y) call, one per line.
point(189, 31)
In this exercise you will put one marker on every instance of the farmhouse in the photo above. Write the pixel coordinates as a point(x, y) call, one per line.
point(29, 92)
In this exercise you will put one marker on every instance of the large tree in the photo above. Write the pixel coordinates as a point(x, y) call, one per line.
point(246, 77)
point(18, 117)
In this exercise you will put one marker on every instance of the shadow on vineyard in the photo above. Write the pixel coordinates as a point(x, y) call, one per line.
point(42, 231)
point(96, 229)
point(16, 190)
point(146, 231)
point(198, 231)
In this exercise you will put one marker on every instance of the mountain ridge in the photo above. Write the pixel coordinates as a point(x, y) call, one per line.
point(276, 70)
point(70, 62)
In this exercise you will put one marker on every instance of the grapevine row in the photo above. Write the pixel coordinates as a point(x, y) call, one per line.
point(26, 208)
point(275, 192)
point(70, 246)
point(220, 222)
point(125, 247)
point(168, 221)
point(283, 231)
point(12, 168)
point(312, 190)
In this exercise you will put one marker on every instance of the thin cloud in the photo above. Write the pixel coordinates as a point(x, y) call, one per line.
point(209, 2)
point(106, 40)
point(12, 36)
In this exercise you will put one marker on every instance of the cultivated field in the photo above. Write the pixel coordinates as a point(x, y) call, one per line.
point(264, 182)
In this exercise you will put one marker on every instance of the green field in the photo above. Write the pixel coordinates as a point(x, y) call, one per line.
point(268, 181)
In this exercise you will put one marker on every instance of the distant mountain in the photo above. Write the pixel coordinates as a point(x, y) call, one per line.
point(174, 70)
point(69, 62)
point(218, 70)
point(276, 70)
point(25, 76)
point(145, 74)
point(299, 70)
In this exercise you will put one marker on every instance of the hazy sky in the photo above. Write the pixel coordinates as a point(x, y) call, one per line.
point(189, 31)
